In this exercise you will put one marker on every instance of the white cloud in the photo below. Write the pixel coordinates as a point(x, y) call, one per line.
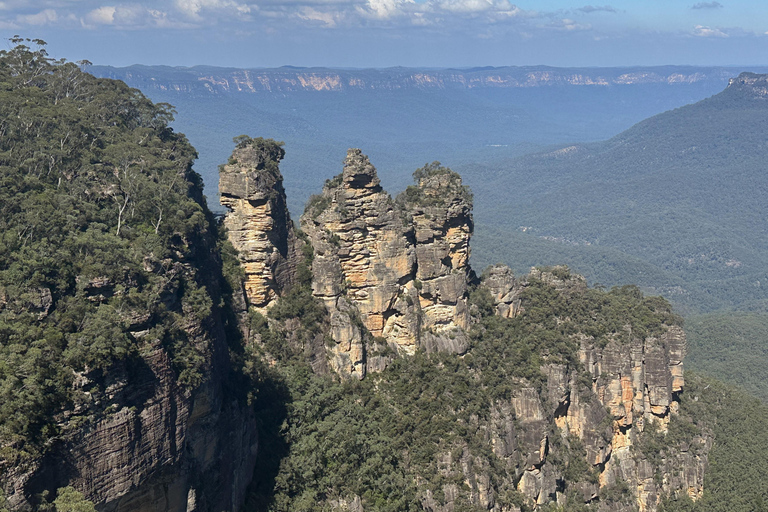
point(44, 17)
point(707, 5)
point(130, 16)
point(434, 12)
point(570, 25)
point(194, 8)
point(597, 8)
point(104, 15)
point(327, 19)
point(702, 31)
point(385, 9)
point(476, 5)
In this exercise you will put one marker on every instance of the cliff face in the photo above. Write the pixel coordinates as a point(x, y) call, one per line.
point(394, 270)
point(207, 80)
point(596, 425)
point(627, 397)
point(259, 225)
point(440, 208)
point(754, 85)
point(138, 440)
point(118, 364)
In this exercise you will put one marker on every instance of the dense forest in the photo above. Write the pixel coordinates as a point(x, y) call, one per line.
point(116, 281)
point(102, 221)
point(674, 204)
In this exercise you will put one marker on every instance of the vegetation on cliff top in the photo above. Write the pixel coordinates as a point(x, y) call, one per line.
point(434, 185)
point(100, 217)
point(382, 439)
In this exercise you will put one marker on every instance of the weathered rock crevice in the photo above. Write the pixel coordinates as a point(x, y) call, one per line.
point(394, 276)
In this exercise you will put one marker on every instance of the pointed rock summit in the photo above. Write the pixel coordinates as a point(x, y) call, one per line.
point(393, 274)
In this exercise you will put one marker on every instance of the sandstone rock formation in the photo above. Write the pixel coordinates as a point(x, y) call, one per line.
point(635, 383)
point(393, 274)
point(259, 225)
point(441, 211)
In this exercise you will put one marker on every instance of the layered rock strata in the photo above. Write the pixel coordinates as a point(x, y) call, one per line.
point(258, 224)
point(135, 439)
point(394, 277)
point(393, 274)
point(440, 208)
point(635, 386)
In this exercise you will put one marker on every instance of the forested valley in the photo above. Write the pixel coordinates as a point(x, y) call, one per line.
point(137, 371)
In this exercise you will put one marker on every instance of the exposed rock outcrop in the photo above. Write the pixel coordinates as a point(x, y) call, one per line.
point(391, 273)
point(635, 381)
point(138, 440)
point(364, 265)
point(440, 208)
point(394, 276)
point(259, 225)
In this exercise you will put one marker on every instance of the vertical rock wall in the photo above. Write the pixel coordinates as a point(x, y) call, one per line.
point(136, 440)
point(440, 208)
point(394, 276)
point(634, 387)
point(259, 225)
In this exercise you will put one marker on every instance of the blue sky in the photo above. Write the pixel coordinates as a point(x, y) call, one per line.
point(381, 33)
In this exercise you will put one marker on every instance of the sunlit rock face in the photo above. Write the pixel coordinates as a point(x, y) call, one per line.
point(626, 385)
point(394, 276)
point(394, 273)
point(258, 224)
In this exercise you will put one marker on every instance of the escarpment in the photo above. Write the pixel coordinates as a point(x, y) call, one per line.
point(575, 391)
point(259, 225)
point(130, 376)
point(617, 402)
point(118, 351)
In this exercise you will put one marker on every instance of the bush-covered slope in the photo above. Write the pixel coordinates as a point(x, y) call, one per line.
point(682, 191)
point(108, 322)
point(95, 191)
point(731, 346)
point(738, 462)
point(439, 430)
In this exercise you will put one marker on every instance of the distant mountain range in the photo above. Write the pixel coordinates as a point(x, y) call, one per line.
point(207, 79)
point(405, 117)
point(675, 204)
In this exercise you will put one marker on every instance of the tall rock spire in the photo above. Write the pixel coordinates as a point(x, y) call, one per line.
point(393, 274)
point(258, 224)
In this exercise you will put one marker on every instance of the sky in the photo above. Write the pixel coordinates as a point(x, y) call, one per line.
point(384, 33)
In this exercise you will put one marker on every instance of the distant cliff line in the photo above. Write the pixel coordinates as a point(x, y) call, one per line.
point(210, 79)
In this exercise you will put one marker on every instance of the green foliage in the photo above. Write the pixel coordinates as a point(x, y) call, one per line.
point(317, 204)
point(335, 182)
point(269, 151)
point(736, 479)
point(442, 182)
point(69, 499)
point(674, 209)
point(382, 439)
point(570, 457)
point(101, 222)
point(731, 346)
point(619, 493)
